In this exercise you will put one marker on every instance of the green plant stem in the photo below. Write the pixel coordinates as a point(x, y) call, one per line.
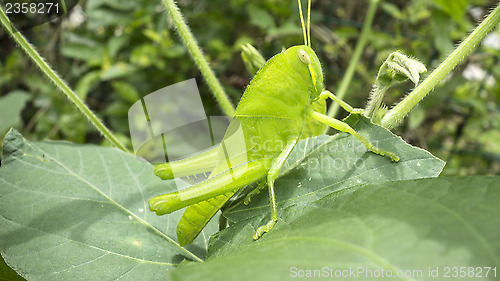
point(54, 77)
point(351, 68)
point(201, 62)
point(395, 115)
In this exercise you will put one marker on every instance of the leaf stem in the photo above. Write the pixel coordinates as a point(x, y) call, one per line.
point(353, 63)
point(396, 114)
point(58, 81)
point(199, 59)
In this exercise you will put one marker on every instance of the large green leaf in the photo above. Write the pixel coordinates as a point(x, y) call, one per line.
point(415, 225)
point(72, 212)
point(321, 165)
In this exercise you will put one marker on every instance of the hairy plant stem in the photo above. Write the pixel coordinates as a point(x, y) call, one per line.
point(199, 59)
point(396, 114)
point(373, 108)
point(58, 81)
point(351, 68)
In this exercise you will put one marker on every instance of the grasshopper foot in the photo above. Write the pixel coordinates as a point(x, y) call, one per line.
point(382, 152)
point(393, 156)
point(359, 111)
point(263, 229)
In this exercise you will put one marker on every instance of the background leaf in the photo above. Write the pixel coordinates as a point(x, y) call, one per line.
point(135, 43)
point(401, 225)
point(454, 8)
point(10, 109)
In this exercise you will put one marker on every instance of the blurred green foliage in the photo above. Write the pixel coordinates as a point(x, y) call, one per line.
point(114, 52)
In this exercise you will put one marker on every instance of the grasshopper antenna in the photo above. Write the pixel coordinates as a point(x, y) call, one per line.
point(308, 23)
point(302, 22)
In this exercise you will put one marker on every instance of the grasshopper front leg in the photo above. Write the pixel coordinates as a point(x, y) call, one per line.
point(327, 94)
point(271, 177)
point(344, 127)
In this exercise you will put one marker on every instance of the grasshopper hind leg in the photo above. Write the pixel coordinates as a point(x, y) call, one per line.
point(222, 185)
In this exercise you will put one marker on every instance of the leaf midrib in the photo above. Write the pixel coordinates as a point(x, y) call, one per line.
point(86, 245)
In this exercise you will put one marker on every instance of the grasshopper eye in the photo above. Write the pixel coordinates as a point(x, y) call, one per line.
point(304, 57)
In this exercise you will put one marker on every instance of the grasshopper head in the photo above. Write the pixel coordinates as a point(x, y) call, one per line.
point(305, 62)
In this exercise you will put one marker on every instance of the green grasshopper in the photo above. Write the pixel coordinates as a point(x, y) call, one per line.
point(268, 121)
